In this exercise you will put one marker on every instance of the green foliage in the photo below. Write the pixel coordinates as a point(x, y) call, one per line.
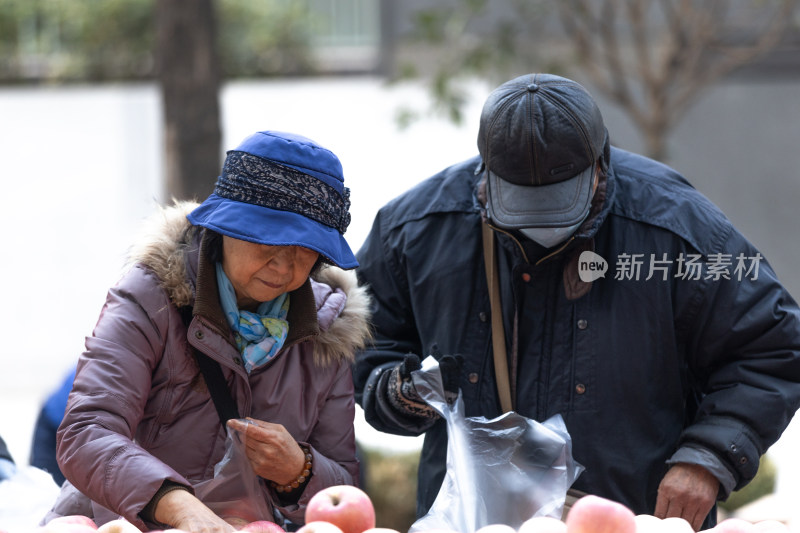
point(391, 483)
point(98, 40)
point(265, 37)
point(465, 40)
point(762, 485)
point(75, 39)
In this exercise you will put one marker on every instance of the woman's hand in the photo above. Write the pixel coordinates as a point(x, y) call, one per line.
point(182, 510)
point(272, 451)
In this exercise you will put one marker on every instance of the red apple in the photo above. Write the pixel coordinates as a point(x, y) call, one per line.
point(543, 524)
point(74, 519)
point(319, 526)
point(345, 506)
point(262, 526)
point(594, 514)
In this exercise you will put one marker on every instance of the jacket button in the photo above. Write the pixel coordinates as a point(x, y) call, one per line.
point(743, 460)
point(198, 334)
point(473, 378)
point(580, 388)
point(526, 277)
point(482, 316)
point(583, 323)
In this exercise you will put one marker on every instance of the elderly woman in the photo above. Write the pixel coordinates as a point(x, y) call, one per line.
point(244, 282)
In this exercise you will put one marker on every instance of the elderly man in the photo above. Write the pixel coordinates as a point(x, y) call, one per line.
point(571, 277)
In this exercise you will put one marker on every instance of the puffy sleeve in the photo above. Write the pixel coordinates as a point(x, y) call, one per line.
point(744, 341)
point(96, 448)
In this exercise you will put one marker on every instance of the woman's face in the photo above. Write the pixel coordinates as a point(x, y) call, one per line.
point(260, 273)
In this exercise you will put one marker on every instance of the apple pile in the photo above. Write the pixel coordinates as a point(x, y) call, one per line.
point(83, 524)
point(348, 509)
point(593, 514)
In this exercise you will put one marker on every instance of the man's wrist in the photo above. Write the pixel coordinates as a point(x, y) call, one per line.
point(702, 457)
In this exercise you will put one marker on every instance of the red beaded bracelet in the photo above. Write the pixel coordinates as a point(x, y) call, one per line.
point(294, 485)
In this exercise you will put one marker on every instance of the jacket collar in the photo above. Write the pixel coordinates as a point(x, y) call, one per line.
point(302, 315)
point(581, 241)
point(173, 249)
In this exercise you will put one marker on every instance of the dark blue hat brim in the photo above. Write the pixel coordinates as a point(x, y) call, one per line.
point(263, 225)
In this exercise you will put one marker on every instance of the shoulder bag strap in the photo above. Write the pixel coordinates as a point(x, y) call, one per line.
point(498, 334)
point(212, 373)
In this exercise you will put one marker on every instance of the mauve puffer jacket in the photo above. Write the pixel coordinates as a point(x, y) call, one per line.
point(140, 412)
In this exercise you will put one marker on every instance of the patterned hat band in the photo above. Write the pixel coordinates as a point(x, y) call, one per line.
point(254, 180)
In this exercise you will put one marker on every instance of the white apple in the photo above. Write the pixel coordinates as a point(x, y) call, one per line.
point(734, 525)
point(120, 525)
point(65, 527)
point(770, 526)
point(543, 524)
point(319, 526)
point(74, 519)
point(676, 524)
point(647, 523)
point(496, 528)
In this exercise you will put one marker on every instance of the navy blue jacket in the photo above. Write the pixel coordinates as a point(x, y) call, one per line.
point(704, 356)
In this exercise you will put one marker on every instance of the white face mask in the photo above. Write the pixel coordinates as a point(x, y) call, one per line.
point(549, 237)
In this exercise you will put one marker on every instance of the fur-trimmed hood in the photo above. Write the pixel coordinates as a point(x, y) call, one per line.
point(164, 242)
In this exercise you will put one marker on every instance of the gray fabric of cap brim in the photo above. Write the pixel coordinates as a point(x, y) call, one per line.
point(556, 205)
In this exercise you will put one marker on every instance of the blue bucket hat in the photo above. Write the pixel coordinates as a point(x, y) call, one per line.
point(281, 189)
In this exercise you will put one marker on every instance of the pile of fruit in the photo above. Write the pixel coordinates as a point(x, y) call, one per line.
point(347, 509)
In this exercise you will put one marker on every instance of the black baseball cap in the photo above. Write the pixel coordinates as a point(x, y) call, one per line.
point(540, 138)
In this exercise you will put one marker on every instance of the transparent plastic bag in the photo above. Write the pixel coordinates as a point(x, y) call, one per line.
point(25, 498)
point(500, 471)
point(235, 491)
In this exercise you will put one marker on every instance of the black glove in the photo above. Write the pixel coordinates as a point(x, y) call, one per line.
point(400, 391)
point(450, 368)
point(403, 395)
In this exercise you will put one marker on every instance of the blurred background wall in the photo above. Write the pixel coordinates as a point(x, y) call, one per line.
point(110, 107)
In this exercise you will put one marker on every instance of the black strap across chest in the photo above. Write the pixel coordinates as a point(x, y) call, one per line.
point(212, 373)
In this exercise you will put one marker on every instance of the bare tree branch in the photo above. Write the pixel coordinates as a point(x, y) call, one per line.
point(655, 71)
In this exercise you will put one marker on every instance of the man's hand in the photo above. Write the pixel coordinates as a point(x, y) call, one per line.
point(402, 394)
point(272, 451)
point(182, 510)
point(687, 491)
